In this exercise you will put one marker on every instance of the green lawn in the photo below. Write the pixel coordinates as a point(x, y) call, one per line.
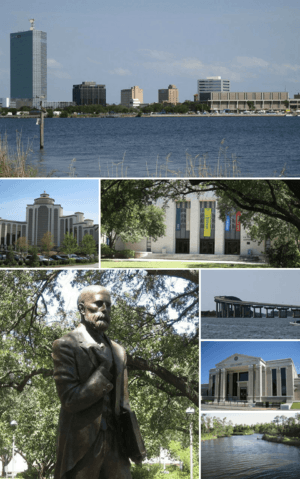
point(296, 405)
point(108, 263)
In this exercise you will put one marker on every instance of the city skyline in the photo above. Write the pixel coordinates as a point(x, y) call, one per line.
point(162, 44)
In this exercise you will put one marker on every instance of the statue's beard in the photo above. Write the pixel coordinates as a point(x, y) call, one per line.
point(98, 321)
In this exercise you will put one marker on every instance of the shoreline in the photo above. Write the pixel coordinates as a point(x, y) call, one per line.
point(165, 115)
point(282, 440)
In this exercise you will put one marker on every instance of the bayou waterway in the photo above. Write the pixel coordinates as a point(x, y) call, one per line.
point(262, 146)
point(246, 457)
point(248, 328)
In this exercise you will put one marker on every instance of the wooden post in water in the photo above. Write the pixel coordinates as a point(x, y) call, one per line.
point(42, 127)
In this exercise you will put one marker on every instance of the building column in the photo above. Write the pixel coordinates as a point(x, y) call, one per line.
point(219, 233)
point(258, 383)
point(289, 384)
point(250, 384)
point(278, 381)
point(210, 383)
point(223, 385)
point(269, 381)
point(217, 385)
point(5, 234)
point(230, 384)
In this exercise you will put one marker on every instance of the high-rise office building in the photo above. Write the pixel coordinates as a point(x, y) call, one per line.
point(88, 93)
point(28, 65)
point(133, 93)
point(213, 84)
point(168, 95)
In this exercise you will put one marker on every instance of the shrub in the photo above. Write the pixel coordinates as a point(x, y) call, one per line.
point(107, 251)
point(72, 261)
point(34, 260)
point(125, 253)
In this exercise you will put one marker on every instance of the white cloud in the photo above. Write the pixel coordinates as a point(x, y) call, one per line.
point(120, 71)
point(51, 63)
point(238, 69)
point(252, 62)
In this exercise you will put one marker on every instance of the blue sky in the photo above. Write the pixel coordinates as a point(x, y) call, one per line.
point(72, 195)
point(250, 285)
point(152, 44)
point(212, 352)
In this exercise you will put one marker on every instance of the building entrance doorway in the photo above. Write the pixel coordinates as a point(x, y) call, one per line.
point(182, 246)
point(232, 246)
point(243, 394)
point(207, 246)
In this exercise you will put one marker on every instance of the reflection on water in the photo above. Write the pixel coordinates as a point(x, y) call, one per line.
point(248, 328)
point(243, 457)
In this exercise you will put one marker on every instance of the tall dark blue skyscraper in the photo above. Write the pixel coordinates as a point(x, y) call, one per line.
point(28, 65)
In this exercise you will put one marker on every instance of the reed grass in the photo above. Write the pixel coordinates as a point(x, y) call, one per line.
point(194, 167)
point(13, 164)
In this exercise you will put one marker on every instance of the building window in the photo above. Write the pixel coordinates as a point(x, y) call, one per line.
point(283, 381)
point(234, 385)
point(227, 392)
point(274, 382)
point(213, 385)
point(243, 376)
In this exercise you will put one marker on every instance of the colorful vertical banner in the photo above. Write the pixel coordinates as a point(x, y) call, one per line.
point(237, 222)
point(178, 219)
point(207, 221)
point(227, 223)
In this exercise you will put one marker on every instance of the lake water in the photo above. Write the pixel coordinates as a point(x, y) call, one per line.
point(261, 145)
point(244, 457)
point(248, 328)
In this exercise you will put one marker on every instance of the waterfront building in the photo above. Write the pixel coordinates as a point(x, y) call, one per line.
point(134, 103)
point(168, 95)
point(212, 84)
point(28, 65)
point(253, 380)
point(193, 227)
point(4, 102)
point(43, 216)
point(89, 93)
point(133, 93)
point(245, 101)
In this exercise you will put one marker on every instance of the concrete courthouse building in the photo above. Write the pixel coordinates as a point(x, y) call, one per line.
point(43, 216)
point(193, 227)
point(251, 379)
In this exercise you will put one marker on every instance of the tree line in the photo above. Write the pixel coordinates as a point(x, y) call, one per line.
point(288, 426)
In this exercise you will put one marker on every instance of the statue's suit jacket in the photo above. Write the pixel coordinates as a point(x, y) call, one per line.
point(81, 385)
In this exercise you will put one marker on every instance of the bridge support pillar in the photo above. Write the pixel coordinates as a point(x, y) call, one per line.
point(282, 312)
point(296, 313)
point(269, 314)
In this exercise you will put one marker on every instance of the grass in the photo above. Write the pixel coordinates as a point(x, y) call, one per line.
point(108, 263)
point(195, 167)
point(295, 405)
point(13, 164)
point(289, 441)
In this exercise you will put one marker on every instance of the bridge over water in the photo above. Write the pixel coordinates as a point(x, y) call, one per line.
point(230, 306)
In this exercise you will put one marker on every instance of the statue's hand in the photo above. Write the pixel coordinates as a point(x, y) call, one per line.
point(101, 357)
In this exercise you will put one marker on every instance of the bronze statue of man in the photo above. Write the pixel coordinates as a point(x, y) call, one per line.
point(91, 380)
